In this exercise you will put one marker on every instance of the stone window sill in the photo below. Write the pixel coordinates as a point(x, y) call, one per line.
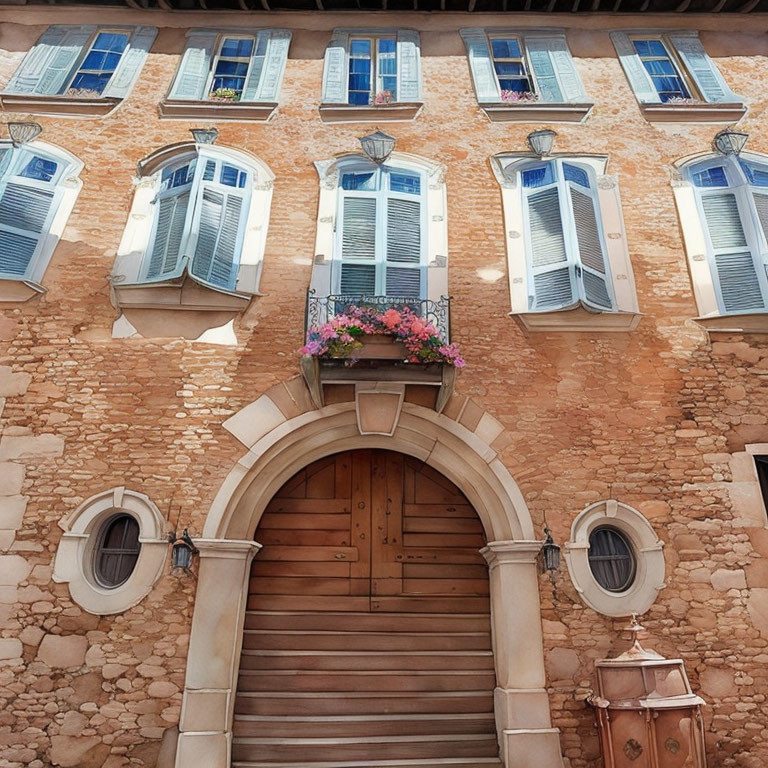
point(748, 323)
point(693, 113)
point(58, 106)
point(578, 319)
point(183, 109)
point(382, 113)
point(536, 112)
point(18, 291)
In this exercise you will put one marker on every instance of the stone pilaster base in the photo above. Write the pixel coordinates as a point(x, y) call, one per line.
point(208, 749)
point(531, 748)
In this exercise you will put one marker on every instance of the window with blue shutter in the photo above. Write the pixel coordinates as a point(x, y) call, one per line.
point(200, 212)
point(518, 67)
point(30, 193)
point(363, 67)
point(380, 243)
point(567, 262)
point(83, 61)
point(231, 67)
point(732, 196)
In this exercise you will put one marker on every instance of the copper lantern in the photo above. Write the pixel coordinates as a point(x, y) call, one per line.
point(647, 715)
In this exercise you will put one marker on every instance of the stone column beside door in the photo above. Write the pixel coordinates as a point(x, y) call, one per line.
point(205, 736)
point(523, 722)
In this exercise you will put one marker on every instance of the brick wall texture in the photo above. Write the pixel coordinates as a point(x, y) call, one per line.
point(652, 418)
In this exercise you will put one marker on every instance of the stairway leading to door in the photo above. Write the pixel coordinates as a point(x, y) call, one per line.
point(367, 634)
point(345, 690)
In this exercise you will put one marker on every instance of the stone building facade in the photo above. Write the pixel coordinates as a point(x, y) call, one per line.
point(186, 407)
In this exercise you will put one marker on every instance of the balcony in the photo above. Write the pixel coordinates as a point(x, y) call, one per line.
point(383, 359)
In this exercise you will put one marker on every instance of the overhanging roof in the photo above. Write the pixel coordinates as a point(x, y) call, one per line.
point(472, 6)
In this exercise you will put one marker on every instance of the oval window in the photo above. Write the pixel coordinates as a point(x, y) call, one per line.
point(611, 559)
point(117, 551)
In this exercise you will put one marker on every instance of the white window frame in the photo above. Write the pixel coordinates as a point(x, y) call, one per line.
point(374, 63)
point(674, 57)
point(698, 247)
point(381, 195)
point(648, 580)
point(66, 190)
point(434, 215)
point(626, 314)
point(127, 31)
point(74, 562)
point(139, 232)
point(223, 36)
point(530, 74)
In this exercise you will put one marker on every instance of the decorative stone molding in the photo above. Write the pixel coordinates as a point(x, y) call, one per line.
point(537, 112)
point(378, 407)
point(74, 558)
point(649, 575)
point(379, 113)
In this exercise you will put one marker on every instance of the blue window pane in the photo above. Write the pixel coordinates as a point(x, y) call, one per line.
point(359, 66)
point(359, 48)
point(389, 84)
point(109, 41)
point(659, 67)
point(361, 82)
point(505, 49)
point(387, 45)
point(538, 177)
point(177, 177)
point(101, 60)
point(359, 97)
point(237, 68)
point(650, 48)
point(235, 83)
point(210, 170)
point(40, 169)
point(232, 177)
point(388, 66)
point(509, 68)
point(517, 85)
point(756, 175)
point(237, 48)
point(365, 181)
point(671, 88)
point(711, 177)
point(576, 175)
point(90, 82)
point(399, 182)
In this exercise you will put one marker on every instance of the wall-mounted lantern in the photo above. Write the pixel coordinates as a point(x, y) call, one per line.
point(204, 135)
point(550, 553)
point(728, 142)
point(378, 146)
point(182, 550)
point(541, 142)
point(21, 133)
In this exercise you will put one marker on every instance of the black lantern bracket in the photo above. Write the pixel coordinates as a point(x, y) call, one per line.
point(182, 550)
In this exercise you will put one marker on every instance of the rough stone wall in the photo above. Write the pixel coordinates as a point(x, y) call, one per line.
point(657, 419)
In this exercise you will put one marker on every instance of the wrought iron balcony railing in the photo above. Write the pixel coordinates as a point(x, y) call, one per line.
point(320, 309)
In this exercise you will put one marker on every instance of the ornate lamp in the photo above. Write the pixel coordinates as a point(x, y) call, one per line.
point(21, 133)
point(205, 135)
point(378, 146)
point(728, 142)
point(541, 142)
point(182, 549)
point(550, 553)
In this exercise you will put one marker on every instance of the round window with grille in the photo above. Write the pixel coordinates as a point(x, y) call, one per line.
point(117, 551)
point(611, 559)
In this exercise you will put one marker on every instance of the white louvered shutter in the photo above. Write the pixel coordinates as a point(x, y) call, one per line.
point(131, 62)
point(218, 227)
point(271, 75)
point(26, 209)
point(408, 65)
point(335, 69)
point(481, 66)
point(552, 275)
point(638, 77)
point(761, 206)
point(594, 277)
point(403, 247)
point(192, 77)
point(703, 70)
point(734, 264)
point(358, 243)
point(547, 85)
point(165, 251)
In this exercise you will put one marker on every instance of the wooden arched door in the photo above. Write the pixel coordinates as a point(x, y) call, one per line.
point(367, 631)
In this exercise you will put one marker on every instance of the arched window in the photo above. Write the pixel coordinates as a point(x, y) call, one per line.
point(567, 257)
point(38, 187)
point(117, 551)
point(732, 202)
point(381, 239)
point(200, 214)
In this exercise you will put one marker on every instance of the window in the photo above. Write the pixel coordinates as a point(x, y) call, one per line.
point(611, 559)
point(363, 69)
point(380, 249)
point(38, 187)
point(569, 266)
point(117, 551)
point(112, 552)
point(672, 71)
point(230, 68)
point(82, 62)
point(732, 204)
point(615, 559)
point(512, 70)
point(200, 214)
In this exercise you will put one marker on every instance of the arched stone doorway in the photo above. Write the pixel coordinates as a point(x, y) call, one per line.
point(367, 628)
point(284, 432)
